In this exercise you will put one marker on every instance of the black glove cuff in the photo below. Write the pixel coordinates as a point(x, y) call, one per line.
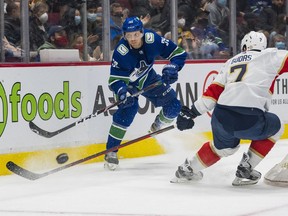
point(194, 112)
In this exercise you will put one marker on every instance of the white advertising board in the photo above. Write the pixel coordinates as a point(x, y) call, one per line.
point(55, 96)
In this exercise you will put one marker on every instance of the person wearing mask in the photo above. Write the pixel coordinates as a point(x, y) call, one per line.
point(71, 19)
point(94, 30)
point(279, 41)
point(218, 12)
point(38, 26)
point(57, 39)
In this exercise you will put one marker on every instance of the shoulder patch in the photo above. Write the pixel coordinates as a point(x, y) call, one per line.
point(149, 38)
point(122, 49)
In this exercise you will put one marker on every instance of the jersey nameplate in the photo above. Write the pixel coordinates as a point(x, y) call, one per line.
point(122, 49)
point(149, 38)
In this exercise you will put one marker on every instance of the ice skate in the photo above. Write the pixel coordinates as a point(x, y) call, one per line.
point(245, 175)
point(185, 174)
point(156, 125)
point(111, 161)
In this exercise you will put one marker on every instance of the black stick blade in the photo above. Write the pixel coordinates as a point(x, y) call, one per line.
point(40, 131)
point(21, 171)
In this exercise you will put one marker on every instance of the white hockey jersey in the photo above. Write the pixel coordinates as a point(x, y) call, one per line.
point(246, 80)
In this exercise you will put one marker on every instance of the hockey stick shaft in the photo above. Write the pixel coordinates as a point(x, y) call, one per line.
point(33, 176)
point(36, 129)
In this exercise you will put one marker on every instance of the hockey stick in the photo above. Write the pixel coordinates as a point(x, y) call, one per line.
point(34, 176)
point(49, 134)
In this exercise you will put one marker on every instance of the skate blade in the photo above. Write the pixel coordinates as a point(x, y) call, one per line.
point(178, 180)
point(243, 182)
point(184, 180)
point(110, 166)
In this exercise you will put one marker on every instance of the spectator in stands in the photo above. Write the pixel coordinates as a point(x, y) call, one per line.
point(143, 14)
point(205, 40)
point(256, 6)
point(38, 26)
point(218, 12)
point(269, 16)
point(12, 26)
point(185, 37)
point(57, 39)
point(116, 12)
point(189, 9)
point(59, 7)
point(77, 43)
point(278, 41)
point(157, 10)
point(94, 29)
point(124, 3)
point(160, 21)
point(150, 5)
point(153, 7)
point(63, 6)
point(71, 19)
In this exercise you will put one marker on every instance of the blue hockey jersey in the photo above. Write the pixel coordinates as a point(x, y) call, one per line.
point(134, 67)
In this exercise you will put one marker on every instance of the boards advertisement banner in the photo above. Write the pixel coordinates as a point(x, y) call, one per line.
point(54, 96)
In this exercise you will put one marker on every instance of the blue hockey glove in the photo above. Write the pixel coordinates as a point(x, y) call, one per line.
point(185, 119)
point(170, 73)
point(122, 96)
point(127, 103)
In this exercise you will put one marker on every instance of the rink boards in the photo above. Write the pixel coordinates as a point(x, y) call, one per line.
point(56, 95)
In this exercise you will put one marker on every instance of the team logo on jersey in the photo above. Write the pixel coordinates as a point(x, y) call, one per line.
point(149, 38)
point(122, 49)
point(138, 72)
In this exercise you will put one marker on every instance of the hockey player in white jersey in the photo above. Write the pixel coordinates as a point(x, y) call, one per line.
point(240, 95)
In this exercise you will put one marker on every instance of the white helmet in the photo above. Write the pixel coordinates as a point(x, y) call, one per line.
point(254, 40)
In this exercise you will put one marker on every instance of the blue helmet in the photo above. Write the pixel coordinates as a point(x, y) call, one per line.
point(132, 24)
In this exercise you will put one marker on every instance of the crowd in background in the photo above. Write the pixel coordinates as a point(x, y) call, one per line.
point(203, 25)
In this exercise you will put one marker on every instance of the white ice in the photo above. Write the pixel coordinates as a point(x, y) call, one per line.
point(141, 187)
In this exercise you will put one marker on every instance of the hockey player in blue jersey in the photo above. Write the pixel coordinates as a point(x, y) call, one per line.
point(132, 70)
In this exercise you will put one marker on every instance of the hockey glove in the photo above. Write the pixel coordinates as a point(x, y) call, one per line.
point(170, 73)
point(122, 93)
point(122, 96)
point(185, 119)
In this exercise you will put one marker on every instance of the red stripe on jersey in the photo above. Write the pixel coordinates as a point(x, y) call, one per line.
point(271, 89)
point(261, 147)
point(283, 69)
point(214, 90)
point(206, 155)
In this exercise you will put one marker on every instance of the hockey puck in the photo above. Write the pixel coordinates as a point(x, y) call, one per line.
point(62, 158)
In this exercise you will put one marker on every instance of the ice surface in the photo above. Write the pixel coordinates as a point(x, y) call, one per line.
point(141, 187)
